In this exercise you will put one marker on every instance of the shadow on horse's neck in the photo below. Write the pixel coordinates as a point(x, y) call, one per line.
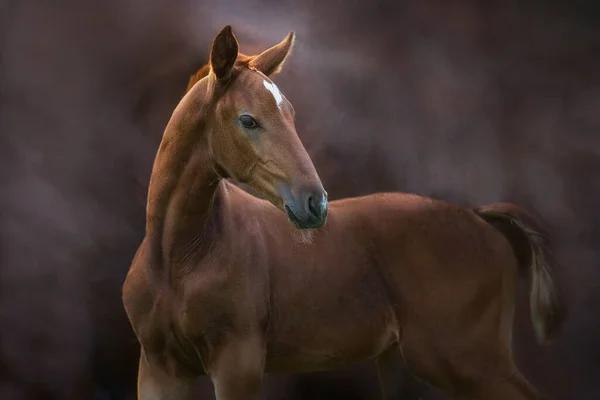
point(183, 206)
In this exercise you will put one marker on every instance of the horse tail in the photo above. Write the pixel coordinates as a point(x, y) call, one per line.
point(532, 251)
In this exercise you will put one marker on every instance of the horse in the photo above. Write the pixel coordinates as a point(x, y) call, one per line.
point(232, 286)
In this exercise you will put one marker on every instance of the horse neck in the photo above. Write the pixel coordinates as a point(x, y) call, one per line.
point(182, 204)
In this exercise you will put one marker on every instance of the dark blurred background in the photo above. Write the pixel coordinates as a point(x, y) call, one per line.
point(471, 102)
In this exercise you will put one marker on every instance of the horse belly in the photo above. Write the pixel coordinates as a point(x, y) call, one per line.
point(330, 328)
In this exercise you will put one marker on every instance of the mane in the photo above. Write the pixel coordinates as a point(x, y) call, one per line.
point(242, 60)
point(201, 73)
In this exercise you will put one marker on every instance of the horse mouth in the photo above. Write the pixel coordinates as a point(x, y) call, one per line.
point(312, 223)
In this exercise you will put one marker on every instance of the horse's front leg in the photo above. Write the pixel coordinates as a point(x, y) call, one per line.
point(395, 380)
point(238, 367)
point(155, 382)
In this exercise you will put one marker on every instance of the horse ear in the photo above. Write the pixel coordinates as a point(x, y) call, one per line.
point(224, 52)
point(270, 61)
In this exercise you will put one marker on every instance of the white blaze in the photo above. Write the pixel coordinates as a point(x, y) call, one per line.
point(271, 87)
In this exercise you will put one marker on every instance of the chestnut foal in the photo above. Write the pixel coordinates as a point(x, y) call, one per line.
point(224, 285)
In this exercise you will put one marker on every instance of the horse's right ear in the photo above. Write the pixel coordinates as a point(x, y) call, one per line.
point(223, 54)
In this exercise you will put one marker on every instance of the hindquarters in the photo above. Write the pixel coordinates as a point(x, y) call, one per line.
point(453, 278)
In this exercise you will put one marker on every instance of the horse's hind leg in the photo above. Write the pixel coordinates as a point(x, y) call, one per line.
point(396, 382)
point(155, 383)
point(514, 387)
point(468, 371)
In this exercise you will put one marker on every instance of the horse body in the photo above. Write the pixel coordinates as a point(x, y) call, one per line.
point(360, 278)
point(346, 292)
point(224, 284)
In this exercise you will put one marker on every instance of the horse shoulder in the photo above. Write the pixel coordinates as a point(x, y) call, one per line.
point(228, 288)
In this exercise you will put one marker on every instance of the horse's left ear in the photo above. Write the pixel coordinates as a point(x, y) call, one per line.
point(270, 61)
point(223, 54)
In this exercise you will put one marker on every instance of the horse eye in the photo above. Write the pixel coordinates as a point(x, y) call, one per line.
point(248, 122)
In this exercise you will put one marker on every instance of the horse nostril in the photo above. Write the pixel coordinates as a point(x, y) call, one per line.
point(316, 205)
point(313, 207)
